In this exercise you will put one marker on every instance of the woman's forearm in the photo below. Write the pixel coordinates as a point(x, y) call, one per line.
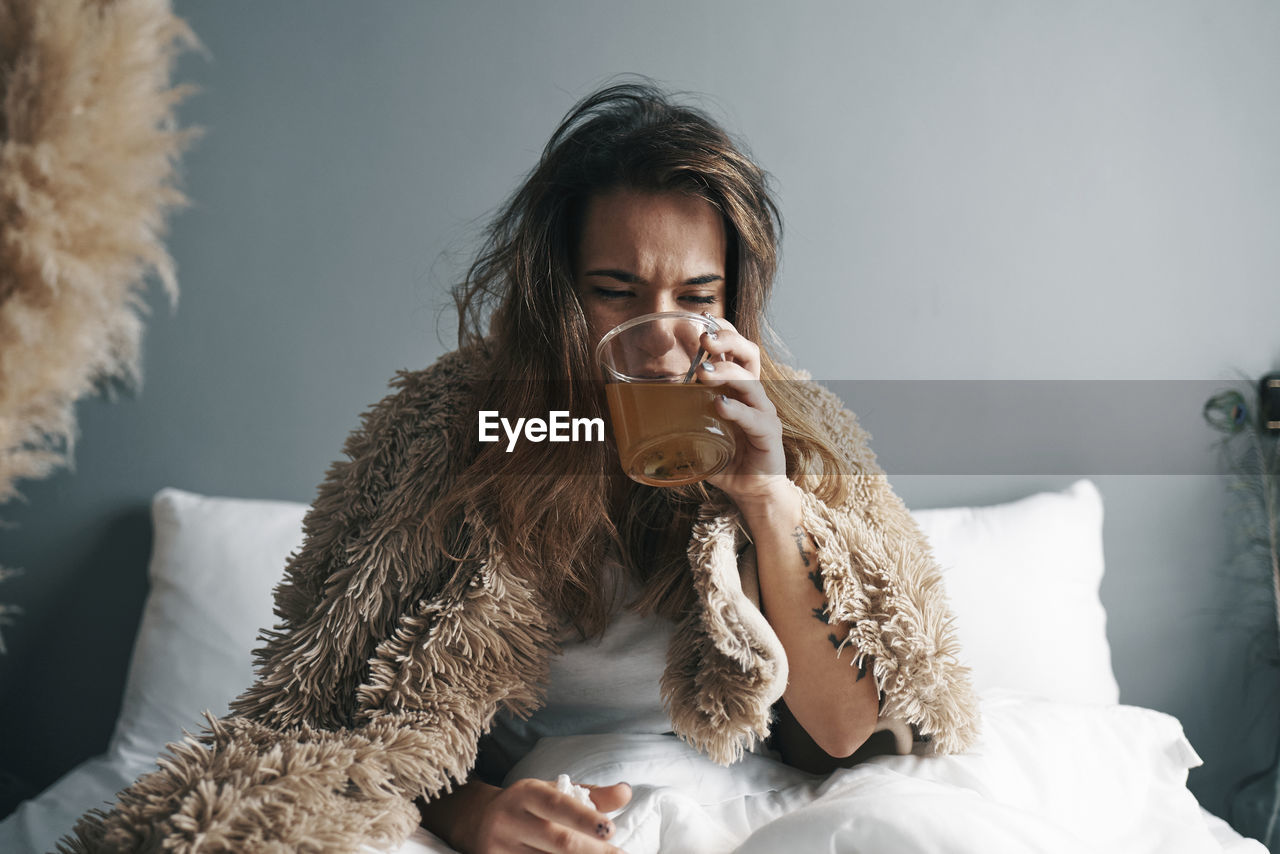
point(836, 704)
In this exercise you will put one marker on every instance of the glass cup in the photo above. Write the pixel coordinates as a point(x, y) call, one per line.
point(664, 420)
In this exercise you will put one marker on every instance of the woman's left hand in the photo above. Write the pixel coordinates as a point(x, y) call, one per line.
point(732, 366)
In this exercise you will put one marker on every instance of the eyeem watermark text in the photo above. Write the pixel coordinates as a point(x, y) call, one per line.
point(557, 427)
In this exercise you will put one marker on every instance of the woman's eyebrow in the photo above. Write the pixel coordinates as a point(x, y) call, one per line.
point(632, 279)
point(620, 275)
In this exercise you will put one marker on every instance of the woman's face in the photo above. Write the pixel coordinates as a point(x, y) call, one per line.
point(642, 252)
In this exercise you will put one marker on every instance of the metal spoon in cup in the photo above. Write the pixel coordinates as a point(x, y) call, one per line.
point(702, 351)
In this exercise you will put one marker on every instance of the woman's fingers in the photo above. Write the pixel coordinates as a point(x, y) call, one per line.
point(726, 345)
point(547, 837)
point(564, 823)
point(760, 429)
point(532, 815)
point(737, 381)
point(610, 798)
point(744, 402)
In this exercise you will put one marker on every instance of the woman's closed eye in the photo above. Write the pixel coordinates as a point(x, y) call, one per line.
point(612, 293)
point(623, 293)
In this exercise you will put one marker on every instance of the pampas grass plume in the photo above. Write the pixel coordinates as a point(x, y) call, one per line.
point(89, 149)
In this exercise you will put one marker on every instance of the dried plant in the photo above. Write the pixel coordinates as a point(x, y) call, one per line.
point(1251, 454)
point(89, 148)
point(88, 154)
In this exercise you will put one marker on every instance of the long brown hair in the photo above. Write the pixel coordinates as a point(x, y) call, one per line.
point(549, 508)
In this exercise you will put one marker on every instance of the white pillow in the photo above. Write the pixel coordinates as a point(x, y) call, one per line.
point(1023, 579)
point(214, 564)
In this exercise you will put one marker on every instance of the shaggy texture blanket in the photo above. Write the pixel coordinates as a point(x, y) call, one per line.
point(391, 661)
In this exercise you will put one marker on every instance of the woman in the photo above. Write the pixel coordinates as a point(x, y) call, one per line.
point(443, 580)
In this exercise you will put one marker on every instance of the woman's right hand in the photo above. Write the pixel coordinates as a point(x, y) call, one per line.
point(533, 814)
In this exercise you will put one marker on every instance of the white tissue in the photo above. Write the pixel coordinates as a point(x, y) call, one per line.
point(582, 793)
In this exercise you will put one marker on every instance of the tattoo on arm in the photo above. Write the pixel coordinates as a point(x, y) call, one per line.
point(816, 578)
point(798, 534)
point(820, 614)
point(863, 669)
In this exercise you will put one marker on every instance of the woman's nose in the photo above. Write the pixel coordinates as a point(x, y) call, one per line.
point(657, 338)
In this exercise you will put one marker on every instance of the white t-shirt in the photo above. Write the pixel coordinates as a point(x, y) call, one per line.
point(605, 685)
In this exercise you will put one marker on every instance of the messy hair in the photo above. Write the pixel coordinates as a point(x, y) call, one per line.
point(555, 511)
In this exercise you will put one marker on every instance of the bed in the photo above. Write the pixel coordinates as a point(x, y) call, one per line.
point(1054, 770)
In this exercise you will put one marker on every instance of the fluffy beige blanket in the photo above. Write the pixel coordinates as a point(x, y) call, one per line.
point(391, 660)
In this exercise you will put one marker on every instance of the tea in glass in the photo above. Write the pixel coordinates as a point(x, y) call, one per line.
point(667, 432)
point(664, 420)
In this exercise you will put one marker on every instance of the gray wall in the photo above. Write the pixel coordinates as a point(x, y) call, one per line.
point(986, 190)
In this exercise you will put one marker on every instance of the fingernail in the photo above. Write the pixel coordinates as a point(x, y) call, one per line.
point(604, 828)
point(713, 335)
point(708, 367)
point(724, 398)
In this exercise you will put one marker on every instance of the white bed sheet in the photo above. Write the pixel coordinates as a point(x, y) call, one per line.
point(1044, 777)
